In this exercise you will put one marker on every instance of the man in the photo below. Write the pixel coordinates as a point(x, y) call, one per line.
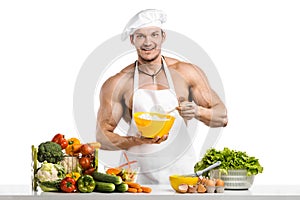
point(156, 83)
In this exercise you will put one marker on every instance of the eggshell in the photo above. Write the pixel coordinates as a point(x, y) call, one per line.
point(183, 188)
point(201, 188)
point(210, 182)
point(192, 189)
point(220, 182)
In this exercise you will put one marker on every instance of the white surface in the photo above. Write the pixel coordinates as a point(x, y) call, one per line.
point(254, 44)
point(160, 192)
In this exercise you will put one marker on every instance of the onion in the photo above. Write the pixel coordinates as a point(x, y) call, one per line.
point(86, 149)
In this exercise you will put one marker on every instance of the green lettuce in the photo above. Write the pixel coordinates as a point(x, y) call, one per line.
point(230, 159)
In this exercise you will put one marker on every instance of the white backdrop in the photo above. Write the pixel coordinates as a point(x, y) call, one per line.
point(255, 46)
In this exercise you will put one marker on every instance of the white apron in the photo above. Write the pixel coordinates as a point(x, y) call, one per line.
point(173, 156)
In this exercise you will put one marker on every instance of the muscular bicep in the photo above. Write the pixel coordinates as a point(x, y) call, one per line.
point(109, 114)
point(110, 110)
point(201, 92)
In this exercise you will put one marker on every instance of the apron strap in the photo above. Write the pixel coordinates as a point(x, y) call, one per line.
point(168, 75)
point(167, 72)
point(136, 77)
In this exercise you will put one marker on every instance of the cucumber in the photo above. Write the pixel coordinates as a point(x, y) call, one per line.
point(108, 178)
point(104, 187)
point(123, 187)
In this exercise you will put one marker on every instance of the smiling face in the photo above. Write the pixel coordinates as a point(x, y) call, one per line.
point(148, 42)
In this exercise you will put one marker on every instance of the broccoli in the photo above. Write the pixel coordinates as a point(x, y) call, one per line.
point(50, 152)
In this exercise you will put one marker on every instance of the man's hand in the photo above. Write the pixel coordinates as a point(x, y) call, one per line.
point(187, 110)
point(143, 140)
point(156, 140)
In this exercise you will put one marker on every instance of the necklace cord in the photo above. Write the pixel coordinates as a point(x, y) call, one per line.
point(152, 75)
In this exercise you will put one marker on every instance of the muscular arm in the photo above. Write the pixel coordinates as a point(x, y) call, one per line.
point(109, 115)
point(213, 112)
point(209, 108)
point(110, 112)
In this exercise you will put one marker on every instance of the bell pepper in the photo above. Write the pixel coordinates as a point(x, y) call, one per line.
point(74, 175)
point(73, 147)
point(86, 184)
point(68, 184)
point(60, 139)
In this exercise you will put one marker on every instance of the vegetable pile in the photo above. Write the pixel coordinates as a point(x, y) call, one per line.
point(66, 165)
point(230, 159)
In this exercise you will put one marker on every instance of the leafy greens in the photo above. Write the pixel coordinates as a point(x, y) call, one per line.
point(230, 159)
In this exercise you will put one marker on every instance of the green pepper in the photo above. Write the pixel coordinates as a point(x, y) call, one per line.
point(86, 183)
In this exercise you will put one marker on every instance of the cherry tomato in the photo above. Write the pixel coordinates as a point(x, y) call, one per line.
point(85, 162)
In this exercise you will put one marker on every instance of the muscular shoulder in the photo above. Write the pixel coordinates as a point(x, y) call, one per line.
point(188, 71)
point(120, 81)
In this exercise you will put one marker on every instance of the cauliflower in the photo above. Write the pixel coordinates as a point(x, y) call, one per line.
point(49, 176)
point(50, 172)
point(71, 164)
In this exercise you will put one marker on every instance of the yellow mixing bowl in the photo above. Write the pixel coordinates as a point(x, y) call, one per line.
point(158, 125)
point(176, 180)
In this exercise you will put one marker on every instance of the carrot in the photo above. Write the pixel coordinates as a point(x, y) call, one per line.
point(126, 157)
point(139, 190)
point(114, 171)
point(133, 185)
point(146, 189)
point(132, 190)
point(128, 163)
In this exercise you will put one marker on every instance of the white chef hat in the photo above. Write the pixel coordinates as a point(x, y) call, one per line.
point(145, 18)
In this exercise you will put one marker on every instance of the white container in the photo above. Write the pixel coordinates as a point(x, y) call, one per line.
point(235, 179)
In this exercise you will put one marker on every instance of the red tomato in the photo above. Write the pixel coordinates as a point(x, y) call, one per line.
point(85, 162)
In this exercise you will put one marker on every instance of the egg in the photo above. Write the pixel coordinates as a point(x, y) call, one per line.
point(220, 182)
point(209, 182)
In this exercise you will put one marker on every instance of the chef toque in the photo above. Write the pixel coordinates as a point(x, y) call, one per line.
point(145, 18)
